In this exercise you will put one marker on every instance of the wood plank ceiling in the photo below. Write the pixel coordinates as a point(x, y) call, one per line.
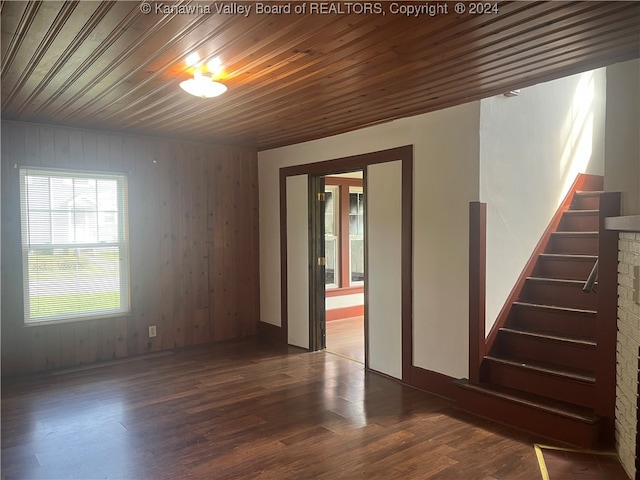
point(291, 77)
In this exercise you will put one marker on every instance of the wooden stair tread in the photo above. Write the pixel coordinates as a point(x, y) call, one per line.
point(556, 281)
point(556, 407)
point(556, 338)
point(550, 369)
point(589, 192)
point(568, 256)
point(581, 212)
point(555, 308)
point(574, 234)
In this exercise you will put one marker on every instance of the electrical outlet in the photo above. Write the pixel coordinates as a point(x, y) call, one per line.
point(152, 331)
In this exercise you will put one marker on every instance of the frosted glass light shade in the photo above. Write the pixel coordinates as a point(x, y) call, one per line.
point(201, 85)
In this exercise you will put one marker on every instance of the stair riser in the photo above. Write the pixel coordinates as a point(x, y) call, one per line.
point(562, 354)
point(593, 183)
point(539, 383)
point(586, 202)
point(579, 223)
point(574, 269)
point(559, 295)
point(573, 431)
point(573, 245)
point(552, 322)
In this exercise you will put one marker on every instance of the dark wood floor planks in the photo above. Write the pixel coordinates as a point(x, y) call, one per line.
point(245, 410)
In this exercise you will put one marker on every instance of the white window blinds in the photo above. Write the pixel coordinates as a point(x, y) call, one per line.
point(75, 253)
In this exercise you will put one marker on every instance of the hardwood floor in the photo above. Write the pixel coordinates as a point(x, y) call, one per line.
point(346, 337)
point(570, 464)
point(244, 411)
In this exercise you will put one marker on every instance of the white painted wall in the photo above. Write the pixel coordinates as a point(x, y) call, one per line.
point(445, 181)
point(622, 167)
point(298, 260)
point(446, 152)
point(531, 149)
point(343, 301)
point(384, 267)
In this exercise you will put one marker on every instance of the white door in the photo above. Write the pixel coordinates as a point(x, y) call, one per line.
point(383, 204)
point(298, 261)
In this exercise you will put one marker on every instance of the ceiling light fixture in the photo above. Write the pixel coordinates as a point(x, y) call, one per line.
point(193, 59)
point(202, 85)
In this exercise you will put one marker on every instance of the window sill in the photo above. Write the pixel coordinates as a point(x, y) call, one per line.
point(338, 292)
point(76, 319)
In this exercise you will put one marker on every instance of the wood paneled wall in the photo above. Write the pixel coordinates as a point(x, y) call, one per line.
point(193, 222)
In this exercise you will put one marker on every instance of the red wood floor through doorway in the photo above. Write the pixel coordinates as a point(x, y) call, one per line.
point(345, 337)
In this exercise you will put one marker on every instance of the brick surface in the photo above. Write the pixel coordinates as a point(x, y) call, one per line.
point(627, 358)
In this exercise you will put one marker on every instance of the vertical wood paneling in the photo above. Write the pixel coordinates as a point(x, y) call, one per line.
point(193, 245)
point(177, 225)
point(15, 144)
point(153, 219)
point(38, 337)
point(250, 234)
point(66, 345)
point(164, 233)
point(81, 342)
point(233, 262)
point(228, 200)
point(185, 244)
point(216, 248)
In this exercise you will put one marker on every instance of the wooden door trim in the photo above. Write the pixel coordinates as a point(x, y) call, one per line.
point(317, 309)
point(360, 162)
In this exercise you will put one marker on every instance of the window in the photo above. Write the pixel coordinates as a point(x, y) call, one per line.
point(344, 232)
point(75, 254)
point(331, 229)
point(356, 235)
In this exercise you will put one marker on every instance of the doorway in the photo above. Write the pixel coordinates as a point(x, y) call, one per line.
point(344, 240)
point(388, 194)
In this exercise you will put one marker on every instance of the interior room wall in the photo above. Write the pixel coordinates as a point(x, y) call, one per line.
point(532, 146)
point(446, 151)
point(622, 167)
point(193, 242)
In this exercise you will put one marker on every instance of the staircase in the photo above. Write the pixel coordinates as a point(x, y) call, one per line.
point(539, 373)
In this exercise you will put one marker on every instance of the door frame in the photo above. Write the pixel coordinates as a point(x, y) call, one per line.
point(360, 162)
point(317, 267)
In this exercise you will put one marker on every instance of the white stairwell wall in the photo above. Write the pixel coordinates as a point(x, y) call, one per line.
point(532, 147)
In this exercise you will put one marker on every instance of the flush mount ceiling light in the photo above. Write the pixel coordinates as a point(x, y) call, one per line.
point(202, 85)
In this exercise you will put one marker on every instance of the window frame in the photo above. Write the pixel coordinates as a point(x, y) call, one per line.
point(335, 236)
point(121, 244)
point(359, 191)
point(344, 184)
